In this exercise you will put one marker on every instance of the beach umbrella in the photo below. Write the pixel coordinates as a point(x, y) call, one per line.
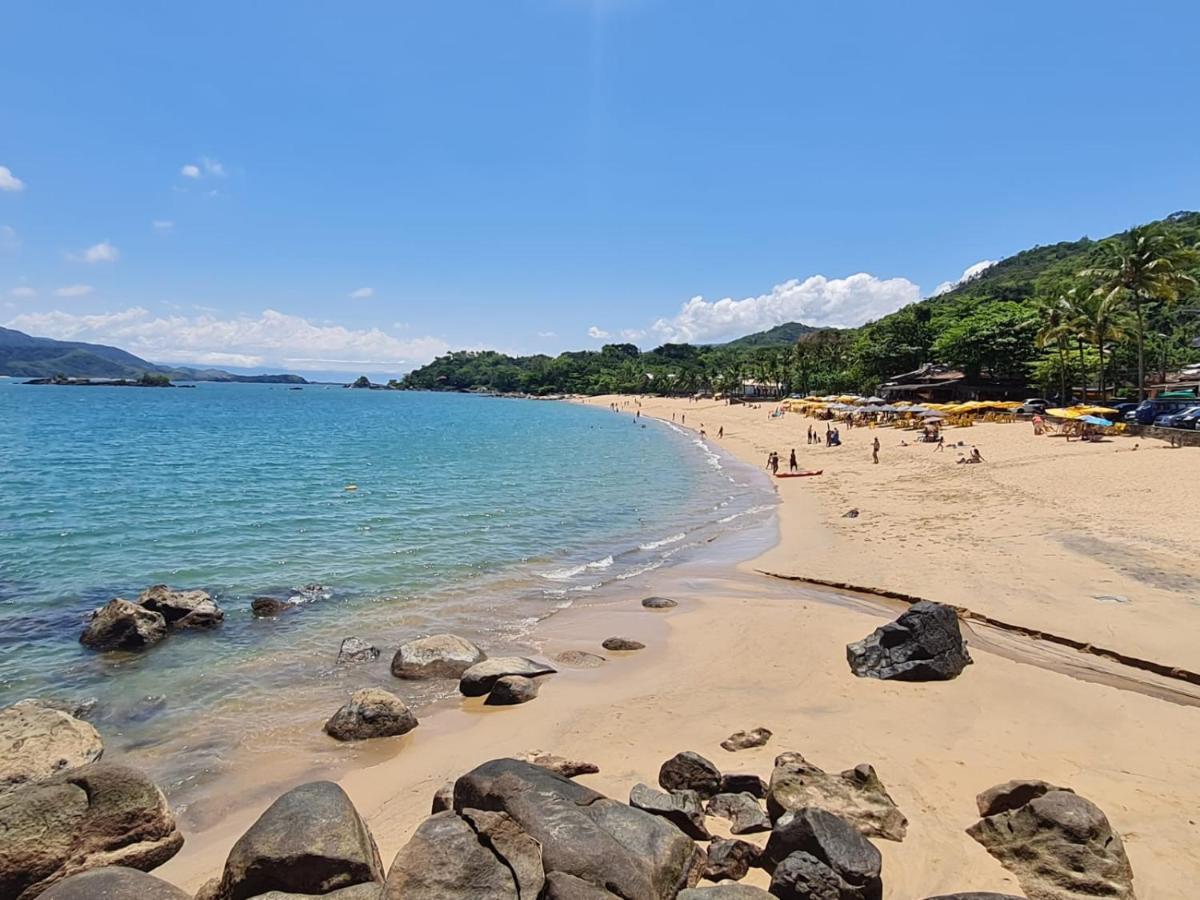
point(1095, 420)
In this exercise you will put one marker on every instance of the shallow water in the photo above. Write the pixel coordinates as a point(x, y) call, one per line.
point(471, 514)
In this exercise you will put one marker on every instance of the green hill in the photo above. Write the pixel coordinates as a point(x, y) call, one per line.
point(784, 335)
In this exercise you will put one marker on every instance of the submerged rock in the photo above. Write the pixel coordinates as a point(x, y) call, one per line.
point(98, 815)
point(121, 625)
point(691, 772)
point(436, 656)
point(1058, 845)
point(568, 768)
point(37, 742)
point(681, 808)
point(479, 679)
point(182, 609)
point(580, 659)
point(512, 690)
point(371, 713)
point(269, 607)
point(856, 795)
point(620, 643)
point(746, 740)
point(924, 644)
point(354, 651)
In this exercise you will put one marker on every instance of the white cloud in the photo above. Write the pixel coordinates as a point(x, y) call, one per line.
point(362, 293)
point(74, 290)
point(162, 225)
point(97, 253)
point(190, 171)
point(9, 181)
point(972, 271)
point(272, 338)
point(206, 166)
point(23, 290)
point(547, 334)
point(632, 334)
point(597, 334)
point(820, 301)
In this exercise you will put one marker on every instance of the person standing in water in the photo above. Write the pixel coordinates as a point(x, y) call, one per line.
point(875, 451)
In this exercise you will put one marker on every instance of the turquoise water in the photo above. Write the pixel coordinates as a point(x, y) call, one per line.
point(471, 513)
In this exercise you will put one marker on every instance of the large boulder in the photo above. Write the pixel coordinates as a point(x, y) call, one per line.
point(1060, 846)
point(856, 795)
point(743, 811)
point(354, 651)
point(561, 886)
point(480, 678)
point(512, 690)
point(436, 656)
point(121, 625)
point(582, 833)
point(182, 609)
point(98, 815)
point(1013, 795)
point(114, 883)
point(37, 742)
point(309, 841)
point(689, 771)
point(814, 840)
point(681, 808)
point(371, 713)
point(924, 644)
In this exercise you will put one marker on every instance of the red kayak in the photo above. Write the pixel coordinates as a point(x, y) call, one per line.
point(798, 474)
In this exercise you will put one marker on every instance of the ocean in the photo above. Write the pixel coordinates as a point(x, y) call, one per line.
point(471, 514)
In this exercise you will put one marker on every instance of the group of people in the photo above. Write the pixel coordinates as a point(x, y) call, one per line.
point(773, 462)
point(833, 437)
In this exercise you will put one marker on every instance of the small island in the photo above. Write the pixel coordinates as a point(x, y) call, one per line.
point(147, 379)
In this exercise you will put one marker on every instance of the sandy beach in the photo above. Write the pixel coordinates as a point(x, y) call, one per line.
point(1020, 538)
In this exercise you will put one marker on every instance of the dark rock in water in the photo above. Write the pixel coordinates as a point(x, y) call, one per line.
point(479, 679)
point(856, 795)
point(975, 895)
point(354, 651)
point(1013, 795)
point(620, 643)
point(743, 811)
point(37, 743)
point(1058, 845)
point(511, 690)
point(121, 625)
point(580, 659)
point(743, 783)
point(924, 644)
point(568, 768)
point(182, 609)
point(725, 892)
point(443, 799)
point(436, 656)
point(824, 838)
point(690, 771)
point(729, 860)
point(98, 815)
point(659, 603)
point(624, 850)
point(309, 841)
point(371, 713)
point(310, 593)
point(746, 740)
point(561, 886)
point(114, 883)
point(269, 607)
point(681, 808)
point(143, 709)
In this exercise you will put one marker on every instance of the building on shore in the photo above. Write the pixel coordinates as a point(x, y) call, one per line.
point(932, 383)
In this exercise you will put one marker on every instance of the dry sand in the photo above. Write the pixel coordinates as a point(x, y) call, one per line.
point(1032, 537)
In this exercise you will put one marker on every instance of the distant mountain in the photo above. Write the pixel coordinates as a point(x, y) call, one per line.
point(784, 335)
point(25, 356)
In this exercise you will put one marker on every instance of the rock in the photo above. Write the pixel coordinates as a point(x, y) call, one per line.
point(580, 659)
point(520, 853)
point(801, 876)
point(121, 625)
point(568, 768)
point(745, 740)
point(729, 859)
point(850, 513)
point(924, 644)
point(443, 799)
point(310, 593)
point(369, 891)
point(309, 841)
point(37, 742)
point(743, 783)
point(856, 795)
point(561, 886)
point(742, 810)
point(182, 609)
point(681, 808)
point(1058, 845)
point(1013, 795)
point(620, 643)
point(690, 771)
point(975, 895)
point(114, 883)
point(478, 680)
point(98, 815)
point(725, 892)
point(511, 690)
point(269, 607)
point(436, 656)
point(821, 837)
point(628, 852)
point(446, 860)
point(80, 709)
point(659, 603)
point(371, 713)
point(354, 651)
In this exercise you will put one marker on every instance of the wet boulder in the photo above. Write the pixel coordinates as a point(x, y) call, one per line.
point(354, 651)
point(689, 771)
point(811, 849)
point(98, 815)
point(512, 690)
point(856, 795)
point(371, 713)
point(683, 809)
point(436, 656)
point(924, 644)
point(182, 609)
point(114, 883)
point(481, 677)
point(37, 742)
point(269, 607)
point(121, 625)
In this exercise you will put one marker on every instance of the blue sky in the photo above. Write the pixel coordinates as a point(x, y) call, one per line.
point(356, 187)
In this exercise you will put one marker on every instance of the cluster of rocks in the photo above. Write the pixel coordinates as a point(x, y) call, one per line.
point(924, 644)
point(135, 625)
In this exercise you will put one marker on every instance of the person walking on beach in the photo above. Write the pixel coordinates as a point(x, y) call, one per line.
point(875, 451)
point(793, 466)
point(941, 444)
point(773, 462)
point(721, 432)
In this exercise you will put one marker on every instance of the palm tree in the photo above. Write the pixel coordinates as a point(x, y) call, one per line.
point(1144, 266)
point(1106, 317)
point(1057, 329)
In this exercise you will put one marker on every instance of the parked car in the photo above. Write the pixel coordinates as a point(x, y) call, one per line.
point(1123, 408)
point(1149, 410)
point(1033, 406)
point(1186, 419)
